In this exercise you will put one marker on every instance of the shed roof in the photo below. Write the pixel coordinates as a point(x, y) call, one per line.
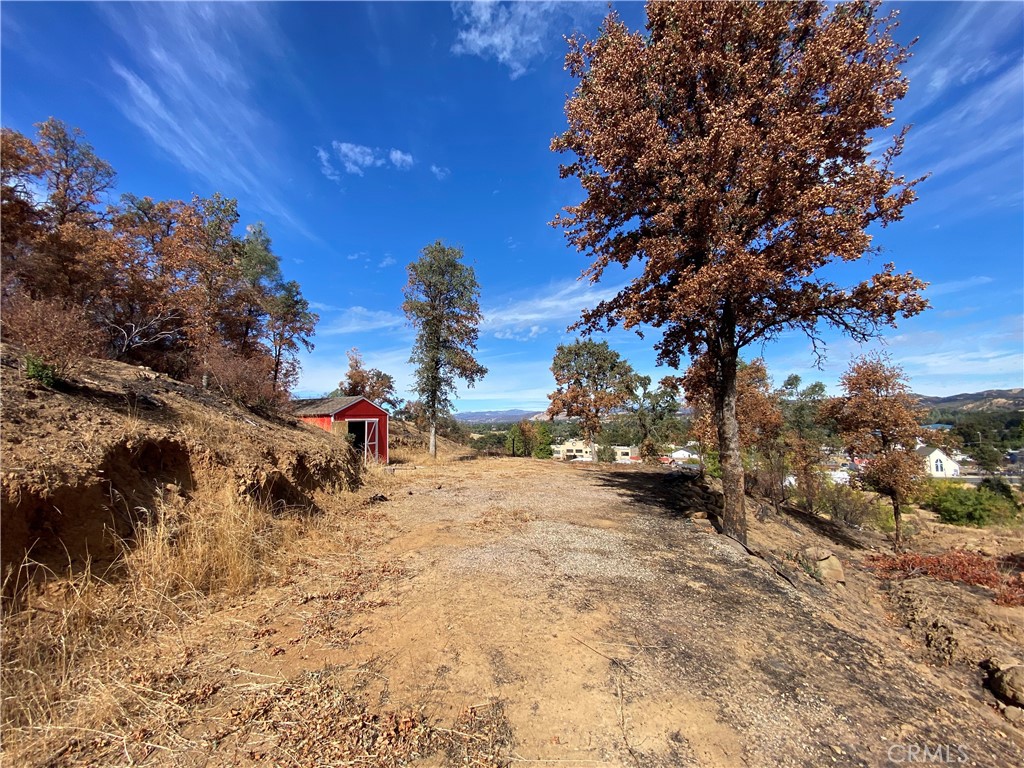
point(325, 406)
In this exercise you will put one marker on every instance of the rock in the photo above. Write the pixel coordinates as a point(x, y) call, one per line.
point(831, 570)
point(1008, 684)
point(1014, 714)
point(700, 514)
point(728, 540)
point(816, 554)
point(824, 565)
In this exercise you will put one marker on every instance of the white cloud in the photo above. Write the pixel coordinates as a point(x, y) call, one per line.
point(399, 159)
point(529, 334)
point(326, 167)
point(387, 261)
point(512, 33)
point(356, 157)
point(439, 172)
point(319, 306)
point(560, 305)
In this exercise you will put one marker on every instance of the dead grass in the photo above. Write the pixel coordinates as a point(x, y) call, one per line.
point(61, 638)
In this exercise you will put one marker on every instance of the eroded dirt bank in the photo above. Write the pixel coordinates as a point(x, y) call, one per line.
point(514, 611)
point(84, 463)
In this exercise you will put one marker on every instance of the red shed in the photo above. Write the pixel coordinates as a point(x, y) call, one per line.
point(356, 416)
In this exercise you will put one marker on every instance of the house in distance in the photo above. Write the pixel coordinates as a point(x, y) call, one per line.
point(365, 422)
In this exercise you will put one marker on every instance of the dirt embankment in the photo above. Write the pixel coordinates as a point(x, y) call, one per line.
point(84, 463)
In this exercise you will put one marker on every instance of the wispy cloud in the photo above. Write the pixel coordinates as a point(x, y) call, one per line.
point(955, 286)
point(387, 261)
point(319, 306)
point(965, 49)
point(188, 85)
point(517, 33)
point(440, 173)
point(559, 306)
point(326, 166)
point(361, 320)
point(966, 79)
point(529, 334)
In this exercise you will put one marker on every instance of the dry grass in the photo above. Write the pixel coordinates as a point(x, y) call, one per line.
point(62, 639)
point(226, 548)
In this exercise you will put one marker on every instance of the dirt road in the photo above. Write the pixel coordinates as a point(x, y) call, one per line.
point(551, 614)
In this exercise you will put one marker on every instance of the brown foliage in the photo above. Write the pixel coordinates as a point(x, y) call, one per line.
point(726, 150)
point(879, 420)
point(957, 566)
point(56, 333)
point(757, 406)
point(165, 281)
point(245, 379)
point(373, 384)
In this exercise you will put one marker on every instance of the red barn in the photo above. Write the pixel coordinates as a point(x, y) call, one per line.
point(356, 416)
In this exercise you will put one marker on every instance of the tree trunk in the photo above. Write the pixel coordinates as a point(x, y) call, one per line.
point(433, 439)
point(734, 513)
point(897, 518)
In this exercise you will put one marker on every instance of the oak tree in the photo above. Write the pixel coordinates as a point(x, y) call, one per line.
point(878, 420)
point(371, 383)
point(442, 302)
point(593, 380)
point(653, 414)
point(727, 150)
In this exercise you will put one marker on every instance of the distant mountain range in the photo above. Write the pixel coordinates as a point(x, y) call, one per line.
point(495, 417)
point(989, 400)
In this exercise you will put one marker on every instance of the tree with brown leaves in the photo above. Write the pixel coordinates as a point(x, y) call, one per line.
point(727, 151)
point(878, 420)
point(371, 383)
point(758, 410)
point(593, 380)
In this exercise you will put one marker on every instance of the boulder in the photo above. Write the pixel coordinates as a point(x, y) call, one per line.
point(1008, 684)
point(824, 565)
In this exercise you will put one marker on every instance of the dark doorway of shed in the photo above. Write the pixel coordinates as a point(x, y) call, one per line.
point(358, 431)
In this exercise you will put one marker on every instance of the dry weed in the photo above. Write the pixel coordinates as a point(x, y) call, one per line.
point(62, 640)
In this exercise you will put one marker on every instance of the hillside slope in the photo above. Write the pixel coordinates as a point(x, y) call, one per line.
point(85, 462)
point(988, 400)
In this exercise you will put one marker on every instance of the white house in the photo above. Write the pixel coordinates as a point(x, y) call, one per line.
point(572, 449)
point(580, 451)
point(937, 463)
point(684, 454)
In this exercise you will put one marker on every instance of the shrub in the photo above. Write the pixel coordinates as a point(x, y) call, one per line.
point(958, 505)
point(245, 379)
point(56, 335)
point(712, 466)
point(998, 486)
point(36, 369)
point(956, 566)
point(847, 505)
point(543, 451)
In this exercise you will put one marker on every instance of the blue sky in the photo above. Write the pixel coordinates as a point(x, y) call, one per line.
point(361, 132)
